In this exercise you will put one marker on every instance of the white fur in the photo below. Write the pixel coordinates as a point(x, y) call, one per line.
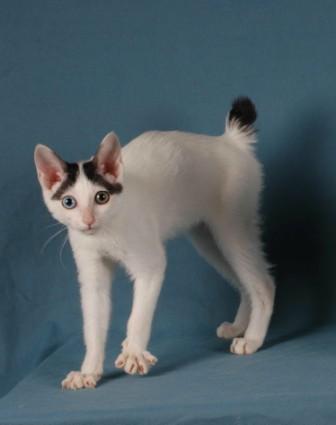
point(172, 182)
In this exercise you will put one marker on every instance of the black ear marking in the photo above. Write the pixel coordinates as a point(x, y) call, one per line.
point(90, 170)
point(72, 172)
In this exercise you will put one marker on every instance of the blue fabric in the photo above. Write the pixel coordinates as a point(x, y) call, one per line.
point(71, 71)
point(196, 382)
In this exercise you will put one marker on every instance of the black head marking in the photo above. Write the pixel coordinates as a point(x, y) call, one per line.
point(72, 172)
point(90, 170)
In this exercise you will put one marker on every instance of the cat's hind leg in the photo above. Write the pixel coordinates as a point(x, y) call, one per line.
point(204, 242)
point(241, 247)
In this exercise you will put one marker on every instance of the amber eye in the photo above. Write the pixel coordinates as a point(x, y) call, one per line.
point(102, 197)
point(69, 202)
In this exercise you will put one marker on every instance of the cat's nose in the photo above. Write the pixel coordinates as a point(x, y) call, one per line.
point(89, 222)
point(88, 219)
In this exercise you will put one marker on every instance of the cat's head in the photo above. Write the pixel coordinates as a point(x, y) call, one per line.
point(83, 195)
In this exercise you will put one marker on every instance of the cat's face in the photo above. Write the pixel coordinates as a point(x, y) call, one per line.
point(84, 195)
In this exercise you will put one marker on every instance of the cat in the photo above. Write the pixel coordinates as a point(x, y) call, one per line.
point(122, 204)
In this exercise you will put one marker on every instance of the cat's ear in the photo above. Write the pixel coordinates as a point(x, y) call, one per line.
point(108, 158)
point(50, 167)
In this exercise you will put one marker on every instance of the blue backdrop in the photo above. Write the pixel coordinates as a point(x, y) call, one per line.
point(70, 71)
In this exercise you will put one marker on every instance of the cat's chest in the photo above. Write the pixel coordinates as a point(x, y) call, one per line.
point(113, 248)
point(103, 245)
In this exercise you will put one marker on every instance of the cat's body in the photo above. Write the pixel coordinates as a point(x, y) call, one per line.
point(170, 182)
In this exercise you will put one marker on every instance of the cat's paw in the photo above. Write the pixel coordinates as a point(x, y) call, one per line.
point(76, 380)
point(245, 346)
point(228, 330)
point(135, 361)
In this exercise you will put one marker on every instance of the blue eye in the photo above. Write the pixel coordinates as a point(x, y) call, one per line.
point(69, 202)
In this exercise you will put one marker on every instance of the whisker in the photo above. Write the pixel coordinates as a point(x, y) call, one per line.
point(61, 250)
point(53, 224)
point(46, 243)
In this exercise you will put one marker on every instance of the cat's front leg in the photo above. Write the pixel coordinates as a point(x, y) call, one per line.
point(95, 278)
point(134, 358)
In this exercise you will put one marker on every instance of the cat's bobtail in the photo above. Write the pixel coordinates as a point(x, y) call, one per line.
point(240, 120)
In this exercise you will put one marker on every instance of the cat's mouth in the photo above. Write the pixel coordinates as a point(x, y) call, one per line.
point(89, 230)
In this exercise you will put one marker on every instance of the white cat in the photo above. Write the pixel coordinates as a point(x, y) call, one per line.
point(122, 204)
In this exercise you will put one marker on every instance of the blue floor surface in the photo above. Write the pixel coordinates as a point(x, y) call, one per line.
point(290, 381)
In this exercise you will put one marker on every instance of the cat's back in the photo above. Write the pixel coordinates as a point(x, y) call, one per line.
point(157, 143)
point(161, 149)
point(158, 152)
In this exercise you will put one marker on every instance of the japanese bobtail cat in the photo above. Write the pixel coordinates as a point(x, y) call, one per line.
point(122, 204)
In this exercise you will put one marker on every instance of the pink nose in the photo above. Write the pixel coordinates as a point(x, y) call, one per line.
point(88, 219)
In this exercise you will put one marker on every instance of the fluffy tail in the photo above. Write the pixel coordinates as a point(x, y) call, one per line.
point(239, 122)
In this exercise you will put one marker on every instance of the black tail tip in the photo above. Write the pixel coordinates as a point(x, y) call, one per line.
point(243, 111)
